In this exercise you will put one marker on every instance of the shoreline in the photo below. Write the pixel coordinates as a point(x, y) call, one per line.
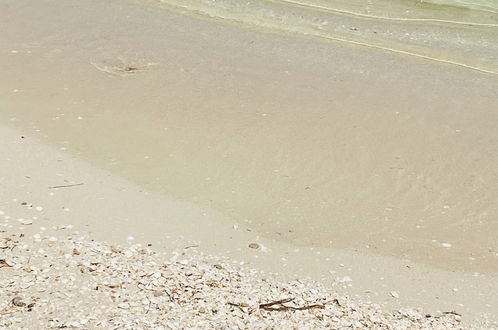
point(63, 217)
point(185, 133)
point(116, 212)
point(316, 145)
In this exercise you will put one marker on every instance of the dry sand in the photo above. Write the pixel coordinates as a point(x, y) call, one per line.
point(371, 173)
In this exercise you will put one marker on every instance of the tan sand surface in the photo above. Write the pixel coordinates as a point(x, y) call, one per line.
point(324, 154)
point(51, 200)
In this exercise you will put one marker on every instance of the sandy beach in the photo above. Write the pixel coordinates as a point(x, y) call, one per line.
point(366, 174)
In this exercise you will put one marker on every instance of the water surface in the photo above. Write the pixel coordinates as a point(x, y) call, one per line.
point(462, 33)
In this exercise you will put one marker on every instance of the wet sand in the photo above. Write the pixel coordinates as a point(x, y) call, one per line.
point(52, 194)
point(327, 154)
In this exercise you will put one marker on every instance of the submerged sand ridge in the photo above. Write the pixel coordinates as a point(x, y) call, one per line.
point(309, 143)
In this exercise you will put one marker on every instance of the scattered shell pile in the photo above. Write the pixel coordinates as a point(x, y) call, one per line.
point(70, 281)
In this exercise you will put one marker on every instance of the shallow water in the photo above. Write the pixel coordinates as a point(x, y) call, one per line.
point(462, 33)
point(482, 5)
point(312, 143)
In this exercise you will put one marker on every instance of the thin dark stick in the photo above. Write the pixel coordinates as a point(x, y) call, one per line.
point(281, 307)
point(66, 186)
point(190, 246)
point(278, 302)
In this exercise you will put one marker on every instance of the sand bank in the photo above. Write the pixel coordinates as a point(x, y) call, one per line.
point(343, 163)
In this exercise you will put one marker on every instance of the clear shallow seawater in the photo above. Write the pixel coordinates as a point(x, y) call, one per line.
point(455, 32)
point(485, 5)
point(310, 143)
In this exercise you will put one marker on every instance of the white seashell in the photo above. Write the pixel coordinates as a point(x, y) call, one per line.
point(344, 279)
point(25, 221)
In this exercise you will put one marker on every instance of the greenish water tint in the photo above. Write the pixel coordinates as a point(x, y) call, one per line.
point(456, 32)
point(484, 5)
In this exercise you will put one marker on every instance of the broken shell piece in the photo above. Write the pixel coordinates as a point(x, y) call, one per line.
point(25, 221)
point(254, 246)
point(4, 263)
point(344, 279)
point(17, 301)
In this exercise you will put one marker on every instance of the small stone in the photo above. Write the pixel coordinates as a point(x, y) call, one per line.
point(394, 294)
point(254, 246)
point(158, 293)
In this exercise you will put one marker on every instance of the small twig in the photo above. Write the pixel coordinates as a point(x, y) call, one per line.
point(171, 298)
point(66, 186)
point(239, 306)
point(303, 308)
point(148, 308)
point(453, 313)
point(281, 307)
point(190, 246)
point(277, 302)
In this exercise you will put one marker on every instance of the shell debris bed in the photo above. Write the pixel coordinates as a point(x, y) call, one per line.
point(65, 279)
